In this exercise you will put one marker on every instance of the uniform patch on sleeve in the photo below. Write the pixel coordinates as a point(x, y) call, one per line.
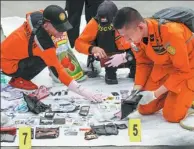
point(171, 50)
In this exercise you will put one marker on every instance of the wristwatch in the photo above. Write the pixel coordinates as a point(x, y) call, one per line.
point(128, 57)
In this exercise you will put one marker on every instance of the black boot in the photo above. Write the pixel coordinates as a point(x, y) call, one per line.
point(93, 73)
point(111, 76)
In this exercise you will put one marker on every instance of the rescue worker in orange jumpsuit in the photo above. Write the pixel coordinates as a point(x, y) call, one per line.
point(99, 39)
point(30, 48)
point(165, 63)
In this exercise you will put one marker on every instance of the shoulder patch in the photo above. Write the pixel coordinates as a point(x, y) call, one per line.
point(171, 50)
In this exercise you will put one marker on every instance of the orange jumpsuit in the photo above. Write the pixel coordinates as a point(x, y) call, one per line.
point(84, 41)
point(15, 48)
point(167, 61)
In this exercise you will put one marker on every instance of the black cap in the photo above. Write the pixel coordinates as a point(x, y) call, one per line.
point(106, 12)
point(58, 18)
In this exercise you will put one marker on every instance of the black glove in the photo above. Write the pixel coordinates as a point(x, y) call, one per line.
point(35, 105)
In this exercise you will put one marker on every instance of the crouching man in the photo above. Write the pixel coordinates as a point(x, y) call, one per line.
point(165, 63)
point(100, 40)
point(30, 48)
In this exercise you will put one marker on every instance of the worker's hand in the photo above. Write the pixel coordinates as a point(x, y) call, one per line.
point(89, 95)
point(98, 52)
point(116, 60)
point(148, 96)
point(136, 88)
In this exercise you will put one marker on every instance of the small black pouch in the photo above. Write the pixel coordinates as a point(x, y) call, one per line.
point(111, 129)
point(45, 121)
point(99, 129)
point(121, 126)
point(128, 106)
point(59, 121)
point(49, 115)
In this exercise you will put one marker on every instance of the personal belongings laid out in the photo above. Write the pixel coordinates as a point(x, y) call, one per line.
point(7, 88)
point(59, 93)
point(90, 135)
point(11, 95)
point(64, 108)
point(26, 122)
point(59, 121)
point(40, 93)
point(109, 129)
point(84, 110)
point(8, 134)
point(129, 104)
point(49, 115)
point(70, 132)
point(45, 121)
point(4, 119)
point(21, 107)
point(124, 93)
point(46, 133)
point(35, 105)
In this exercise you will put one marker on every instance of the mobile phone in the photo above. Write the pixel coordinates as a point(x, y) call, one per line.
point(115, 93)
point(49, 115)
point(59, 121)
point(84, 110)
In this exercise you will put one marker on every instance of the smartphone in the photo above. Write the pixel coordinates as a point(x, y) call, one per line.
point(84, 110)
point(115, 93)
point(49, 115)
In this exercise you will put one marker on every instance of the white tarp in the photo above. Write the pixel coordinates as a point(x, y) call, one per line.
point(155, 130)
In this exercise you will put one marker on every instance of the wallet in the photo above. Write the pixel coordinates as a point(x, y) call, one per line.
point(7, 138)
point(46, 133)
point(109, 129)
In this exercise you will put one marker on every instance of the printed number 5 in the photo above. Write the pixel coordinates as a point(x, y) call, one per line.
point(25, 136)
point(135, 130)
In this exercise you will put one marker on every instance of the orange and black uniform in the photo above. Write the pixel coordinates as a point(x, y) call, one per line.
point(17, 60)
point(74, 9)
point(167, 59)
point(106, 38)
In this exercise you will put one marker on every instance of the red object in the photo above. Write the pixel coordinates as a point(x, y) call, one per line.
point(40, 93)
point(103, 61)
point(22, 84)
point(9, 130)
point(71, 67)
point(65, 62)
point(84, 129)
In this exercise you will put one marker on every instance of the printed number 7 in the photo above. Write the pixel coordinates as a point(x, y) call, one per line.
point(135, 130)
point(25, 134)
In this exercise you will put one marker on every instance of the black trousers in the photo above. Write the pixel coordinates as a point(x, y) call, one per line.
point(74, 9)
point(28, 68)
